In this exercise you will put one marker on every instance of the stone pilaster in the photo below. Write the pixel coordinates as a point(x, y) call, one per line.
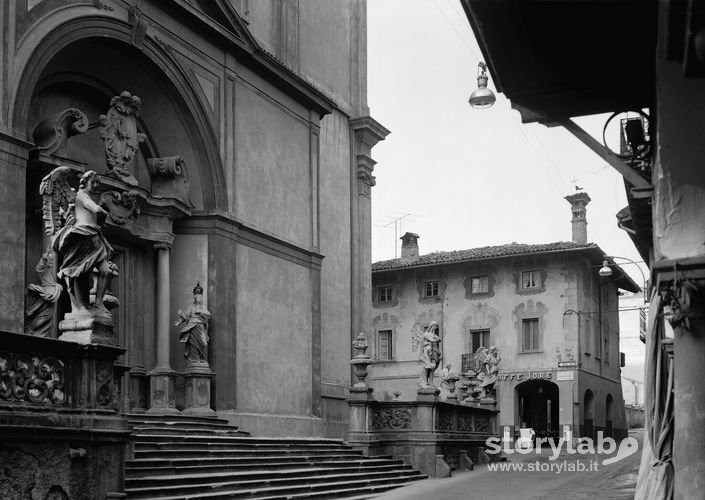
point(367, 132)
point(13, 165)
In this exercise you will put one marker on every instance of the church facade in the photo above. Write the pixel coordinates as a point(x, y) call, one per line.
point(250, 150)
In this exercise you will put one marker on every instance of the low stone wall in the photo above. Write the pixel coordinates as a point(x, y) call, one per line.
point(60, 425)
point(635, 417)
point(419, 432)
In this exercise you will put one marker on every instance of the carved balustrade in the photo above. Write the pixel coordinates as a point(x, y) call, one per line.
point(420, 431)
point(37, 372)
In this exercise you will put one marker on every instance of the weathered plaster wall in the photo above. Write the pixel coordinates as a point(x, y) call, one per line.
point(679, 179)
point(274, 335)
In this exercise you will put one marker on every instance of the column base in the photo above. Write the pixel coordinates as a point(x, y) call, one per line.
point(161, 392)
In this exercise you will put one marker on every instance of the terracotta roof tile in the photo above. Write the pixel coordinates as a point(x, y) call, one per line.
point(498, 251)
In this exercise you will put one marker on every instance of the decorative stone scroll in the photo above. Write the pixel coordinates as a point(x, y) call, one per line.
point(120, 136)
point(52, 133)
point(31, 379)
point(169, 178)
point(391, 418)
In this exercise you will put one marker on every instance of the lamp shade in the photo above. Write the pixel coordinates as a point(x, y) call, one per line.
point(605, 270)
point(482, 97)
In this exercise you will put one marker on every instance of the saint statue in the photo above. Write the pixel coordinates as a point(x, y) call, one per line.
point(42, 298)
point(195, 334)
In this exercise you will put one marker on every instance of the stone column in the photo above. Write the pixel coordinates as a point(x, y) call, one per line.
point(161, 377)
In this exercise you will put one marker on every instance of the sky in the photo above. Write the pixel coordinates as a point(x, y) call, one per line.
point(466, 177)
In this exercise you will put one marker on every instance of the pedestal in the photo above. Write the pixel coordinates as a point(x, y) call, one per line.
point(427, 394)
point(89, 327)
point(161, 392)
point(198, 390)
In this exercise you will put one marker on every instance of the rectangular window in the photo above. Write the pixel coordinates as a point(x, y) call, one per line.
point(530, 335)
point(530, 279)
point(385, 345)
point(480, 284)
point(385, 294)
point(432, 289)
point(478, 338)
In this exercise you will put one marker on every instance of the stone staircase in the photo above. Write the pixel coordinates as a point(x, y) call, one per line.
point(179, 457)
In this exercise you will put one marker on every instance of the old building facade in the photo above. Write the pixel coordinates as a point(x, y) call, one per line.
point(256, 114)
point(553, 319)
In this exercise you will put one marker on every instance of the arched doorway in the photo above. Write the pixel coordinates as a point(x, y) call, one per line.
point(589, 414)
point(609, 416)
point(85, 73)
point(537, 403)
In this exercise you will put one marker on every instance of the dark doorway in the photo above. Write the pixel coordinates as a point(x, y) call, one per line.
point(589, 415)
point(537, 402)
point(609, 418)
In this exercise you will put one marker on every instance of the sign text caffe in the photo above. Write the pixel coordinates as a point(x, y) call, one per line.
point(502, 377)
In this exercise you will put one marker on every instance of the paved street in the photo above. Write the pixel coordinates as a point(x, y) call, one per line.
point(615, 481)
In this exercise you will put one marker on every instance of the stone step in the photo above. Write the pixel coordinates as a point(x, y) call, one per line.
point(273, 488)
point(134, 466)
point(244, 440)
point(190, 452)
point(175, 419)
point(179, 429)
point(255, 477)
point(312, 468)
point(206, 444)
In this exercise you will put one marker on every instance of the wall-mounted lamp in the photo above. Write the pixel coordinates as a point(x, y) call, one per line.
point(482, 97)
point(606, 272)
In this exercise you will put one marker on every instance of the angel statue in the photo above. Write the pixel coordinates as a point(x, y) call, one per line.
point(195, 333)
point(82, 250)
point(429, 354)
point(484, 374)
point(42, 298)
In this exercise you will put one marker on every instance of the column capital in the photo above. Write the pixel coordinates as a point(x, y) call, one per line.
point(163, 245)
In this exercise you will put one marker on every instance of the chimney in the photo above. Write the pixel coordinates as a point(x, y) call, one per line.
point(409, 246)
point(578, 202)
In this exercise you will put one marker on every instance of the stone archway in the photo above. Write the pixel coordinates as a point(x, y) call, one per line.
point(84, 72)
point(537, 402)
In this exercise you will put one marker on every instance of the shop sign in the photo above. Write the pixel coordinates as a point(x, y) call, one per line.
point(520, 377)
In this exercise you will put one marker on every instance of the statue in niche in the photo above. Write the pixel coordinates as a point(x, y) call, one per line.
point(195, 334)
point(120, 136)
point(42, 298)
point(430, 354)
point(483, 376)
point(82, 250)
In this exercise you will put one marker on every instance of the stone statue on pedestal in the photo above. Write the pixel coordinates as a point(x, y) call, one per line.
point(484, 375)
point(430, 354)
point(82, 249)
point(195, 334)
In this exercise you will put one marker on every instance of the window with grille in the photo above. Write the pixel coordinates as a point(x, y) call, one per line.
point(385, 293)
point(530, 335)
point(385, 350)
point(480, 284)
point(432, 289)
point(478, 338)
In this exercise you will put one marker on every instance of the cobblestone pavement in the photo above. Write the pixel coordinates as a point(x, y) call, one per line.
point(614, 481)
